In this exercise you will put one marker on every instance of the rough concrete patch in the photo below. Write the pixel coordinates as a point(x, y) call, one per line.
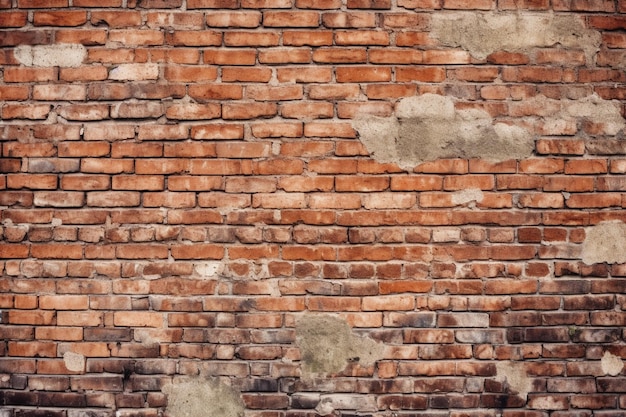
point(611, 364)
point(200, 397)
point(605, 242)
point(209, 269)
point(467, 196)
point(379, 135)
point(427, 128)
point(597, 110)
point(58, 55)
point(327, 344)
point(484, 33)
point(74, 362)
point(514, 375)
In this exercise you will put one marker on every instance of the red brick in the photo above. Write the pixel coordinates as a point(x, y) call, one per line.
point(22, 111)
point(61, 18)
point(423, 74)
point(245, 74)
point(307, 38)
point(190, 73)
point(258, 39)
point(230, 56)
point(243, 111)
point(304, 74)
point(13, 19)
point(290, 19)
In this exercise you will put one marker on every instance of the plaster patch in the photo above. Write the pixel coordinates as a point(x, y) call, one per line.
point(199, 397)
point(327, 344)
point(467, 196)
point(427, 128)
point(484, 33)
point(209, 269)
point(74, 362)
point(58, 55)
point(611, 364)
point(514, 375)
point(134, 72)
point(605, 242)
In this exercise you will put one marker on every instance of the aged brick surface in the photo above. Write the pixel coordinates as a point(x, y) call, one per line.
point(183, 194)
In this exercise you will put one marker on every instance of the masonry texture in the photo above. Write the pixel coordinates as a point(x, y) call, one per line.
point(299, 208)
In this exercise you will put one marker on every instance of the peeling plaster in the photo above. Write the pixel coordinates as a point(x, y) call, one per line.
point(605, 242)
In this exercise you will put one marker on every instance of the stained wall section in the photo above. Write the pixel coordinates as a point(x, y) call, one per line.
point(290, 208)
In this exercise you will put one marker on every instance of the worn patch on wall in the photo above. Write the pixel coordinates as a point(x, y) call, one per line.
point(605, 242)
point(74, 362)
point(327, 345)
point(484, 33)
point(515, 377)
point(428, 127)
point(199, 397)
point(59, 55)
point(611, 364)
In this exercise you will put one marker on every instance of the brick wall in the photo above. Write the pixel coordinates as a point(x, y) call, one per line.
point(224, 207)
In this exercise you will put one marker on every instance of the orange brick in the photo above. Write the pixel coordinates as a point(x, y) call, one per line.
point(230, 56)
point(304, 74)
point(13, 19)
point(258, 39)
point(362, 38)
point(474, 4)
point(143, 37)
point(116, 19)
point(216, 92)
point(423, 74)
point(61, 18)
point(181, 73)
point(290, 19)
point(246, 74)
point(243, 111)
point(304, 110)
point(363, 74)
point(349, 20)
point(307, 38)
point(285, 56)
point(191, 111)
